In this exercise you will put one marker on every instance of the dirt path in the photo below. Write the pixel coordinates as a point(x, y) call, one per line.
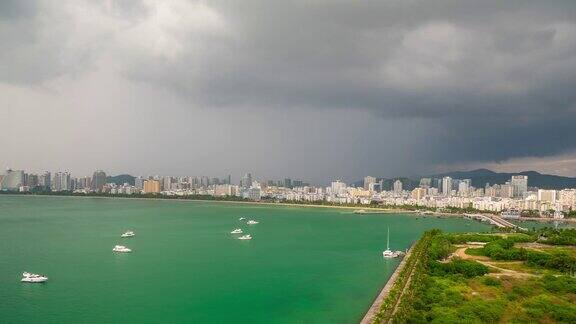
point(461, 253)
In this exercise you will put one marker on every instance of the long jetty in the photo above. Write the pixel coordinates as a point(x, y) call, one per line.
point(494, 220)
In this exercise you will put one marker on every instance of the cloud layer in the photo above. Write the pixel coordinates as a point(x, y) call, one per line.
point(389, 86)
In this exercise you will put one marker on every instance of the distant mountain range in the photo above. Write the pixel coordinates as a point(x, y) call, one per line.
point(121, 179)
point(480, 177)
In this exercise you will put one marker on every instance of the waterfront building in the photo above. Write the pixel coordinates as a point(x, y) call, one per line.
point(167, 183)
point(45, 180)
point(418, 193)
point(337, 187)
point(12, 180)
point(57, 182)
point(548, 196)
point(223, 190)
point(32, 180)
point(139, 182)
point(98, 180)
point(65, 181)
point(151, 186)
point(519, 185)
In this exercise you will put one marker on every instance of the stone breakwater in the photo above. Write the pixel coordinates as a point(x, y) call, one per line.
point(377, 304)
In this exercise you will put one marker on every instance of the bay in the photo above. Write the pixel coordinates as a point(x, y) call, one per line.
point(304, 265)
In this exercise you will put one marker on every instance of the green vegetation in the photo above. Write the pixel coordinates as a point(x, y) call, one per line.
point(557, 236)
point(444, 289)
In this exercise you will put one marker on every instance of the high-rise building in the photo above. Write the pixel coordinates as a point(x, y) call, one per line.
point(519, 185)
point(246, 181)
point(57, 182)
point(12, 180)
point(65, 181)
point(367, 181)
point(568, 198)
point(84, 183)
point(446, 186)
point(463, 188)
point(506, 190)
point(151, 186)
point(287, 183)
point(375, 186)
point(167, 183)
point(337, 187)
point(45, 180)
point(139, 182)
point(32, 180)
point(98, 180)
point(397, 186)
point(547, 195)
point(418, 193)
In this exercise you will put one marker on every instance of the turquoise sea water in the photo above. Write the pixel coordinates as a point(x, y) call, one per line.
point(304, 265)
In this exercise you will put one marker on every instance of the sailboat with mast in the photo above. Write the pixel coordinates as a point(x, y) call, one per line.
point(389, 254)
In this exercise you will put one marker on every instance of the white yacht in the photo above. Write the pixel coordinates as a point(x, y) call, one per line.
point(33, 278)
point(252, 222)
point(241, 218)
point(236, 231)
point(245, 237)
point(128, 234)
point(389, 254)
point(121, 248)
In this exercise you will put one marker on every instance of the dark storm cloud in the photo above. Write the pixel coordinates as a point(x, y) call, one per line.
point(499, 77)
point(492, 79)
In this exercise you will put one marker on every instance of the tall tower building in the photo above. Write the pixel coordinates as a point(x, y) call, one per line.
point(446, 186)
point(12, 180)
point(57, 181)
point(246, 181)
point(397, 186)
point(98, 180)
point(519, 185)
point(367, 181)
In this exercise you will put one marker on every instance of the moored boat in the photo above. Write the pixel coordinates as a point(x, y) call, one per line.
point(33, 278)
point(128, 234)
point(121, 249)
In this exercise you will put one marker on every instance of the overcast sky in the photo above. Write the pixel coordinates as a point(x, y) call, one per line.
point(304, 89)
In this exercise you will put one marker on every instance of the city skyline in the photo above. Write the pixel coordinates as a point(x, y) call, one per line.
point(334, 90)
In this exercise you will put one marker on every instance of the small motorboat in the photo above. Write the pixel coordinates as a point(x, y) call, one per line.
point(33, 278)
point(241, 218)
point(245, 237)
point(236, 231)
point(252, 222)
point(121, 249)
point(128, 234)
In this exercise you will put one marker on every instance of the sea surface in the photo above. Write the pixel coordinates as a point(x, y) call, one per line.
point(304, 265)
